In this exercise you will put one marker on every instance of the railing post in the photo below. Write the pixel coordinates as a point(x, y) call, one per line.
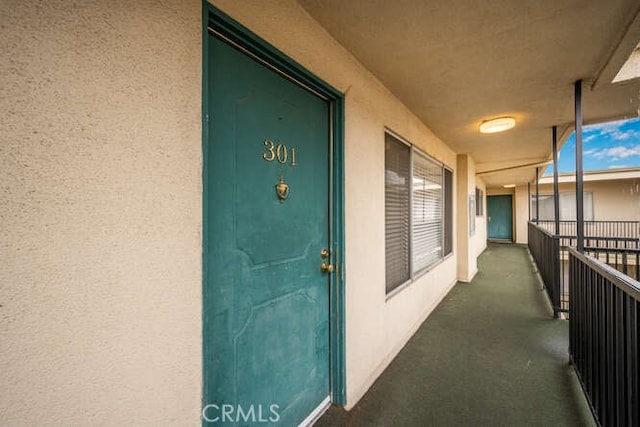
point(556, 196)
point(537, 199)
point(556, 276)
point(579, 186)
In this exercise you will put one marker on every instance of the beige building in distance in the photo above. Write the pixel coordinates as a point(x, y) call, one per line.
point(609, 195)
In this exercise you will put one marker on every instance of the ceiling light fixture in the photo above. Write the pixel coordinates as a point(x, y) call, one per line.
point(509, 186)
point(498, 124)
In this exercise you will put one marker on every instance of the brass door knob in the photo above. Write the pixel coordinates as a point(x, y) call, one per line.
point(326, 268)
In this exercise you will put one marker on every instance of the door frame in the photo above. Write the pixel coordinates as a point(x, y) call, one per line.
point(511, 197)
point(229, 30)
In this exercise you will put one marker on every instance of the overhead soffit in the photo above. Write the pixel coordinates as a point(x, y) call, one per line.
point(459, 62)
point(631, 68)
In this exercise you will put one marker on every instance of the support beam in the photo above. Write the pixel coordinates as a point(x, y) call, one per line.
point(556, 196)
point(579, 171)
point(527, 165)
point(537, 198)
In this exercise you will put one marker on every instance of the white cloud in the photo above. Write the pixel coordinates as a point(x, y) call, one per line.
point(590, 138)
point(614, 153)
point(603, 128)
point(611, 130)
point(619, 135)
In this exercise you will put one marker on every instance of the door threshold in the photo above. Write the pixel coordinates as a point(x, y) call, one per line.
point(316, 413)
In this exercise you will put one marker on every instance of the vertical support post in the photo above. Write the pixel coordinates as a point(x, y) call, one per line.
point(556, 196)
point(529, 198)
point(579, 172)
point(557, 260)
point(537, 199)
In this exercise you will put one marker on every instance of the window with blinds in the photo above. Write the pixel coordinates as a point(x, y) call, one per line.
point(418, 212)
point(479, 202)
point(567, 201)
point(397, 160)
point(426, 212)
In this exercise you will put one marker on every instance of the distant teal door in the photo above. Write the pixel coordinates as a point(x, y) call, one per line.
point(500, 217)
point(266, 300)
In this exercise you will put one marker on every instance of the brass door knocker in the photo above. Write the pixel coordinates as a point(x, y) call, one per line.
point(282, 189)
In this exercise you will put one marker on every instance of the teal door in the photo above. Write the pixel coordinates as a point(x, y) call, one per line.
point(266, 299)
point(499, 217)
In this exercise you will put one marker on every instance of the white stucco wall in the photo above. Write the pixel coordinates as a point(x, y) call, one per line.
point(100, 212)
point(100, 220)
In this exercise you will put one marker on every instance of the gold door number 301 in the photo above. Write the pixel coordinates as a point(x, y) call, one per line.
point(279, 152)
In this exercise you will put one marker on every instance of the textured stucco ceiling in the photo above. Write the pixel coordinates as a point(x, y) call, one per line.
point(456, 63)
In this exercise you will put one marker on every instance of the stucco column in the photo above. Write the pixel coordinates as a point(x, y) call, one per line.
point(465, 188)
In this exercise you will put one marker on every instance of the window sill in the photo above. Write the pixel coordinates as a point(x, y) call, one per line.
point(415, 277)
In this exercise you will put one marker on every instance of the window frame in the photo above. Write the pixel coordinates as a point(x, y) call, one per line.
point(448, 221)
point(479, 202)
point(588, 201)
point(444, 221)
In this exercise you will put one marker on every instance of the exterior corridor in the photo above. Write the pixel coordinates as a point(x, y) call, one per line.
point(490, 354)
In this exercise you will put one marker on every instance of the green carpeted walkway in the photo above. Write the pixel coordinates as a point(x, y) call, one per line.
point(490, 355)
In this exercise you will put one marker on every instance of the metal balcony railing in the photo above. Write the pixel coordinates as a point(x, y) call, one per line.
point(545, 249)
point(626, 259)
point(604, 338)
point(598, 290)
point(629, 229)
point(620, 249)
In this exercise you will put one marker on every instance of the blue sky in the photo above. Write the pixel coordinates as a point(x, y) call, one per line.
point(605, 146)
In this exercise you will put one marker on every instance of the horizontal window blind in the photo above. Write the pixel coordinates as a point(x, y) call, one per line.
point(397, 187)
point(427, 210)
